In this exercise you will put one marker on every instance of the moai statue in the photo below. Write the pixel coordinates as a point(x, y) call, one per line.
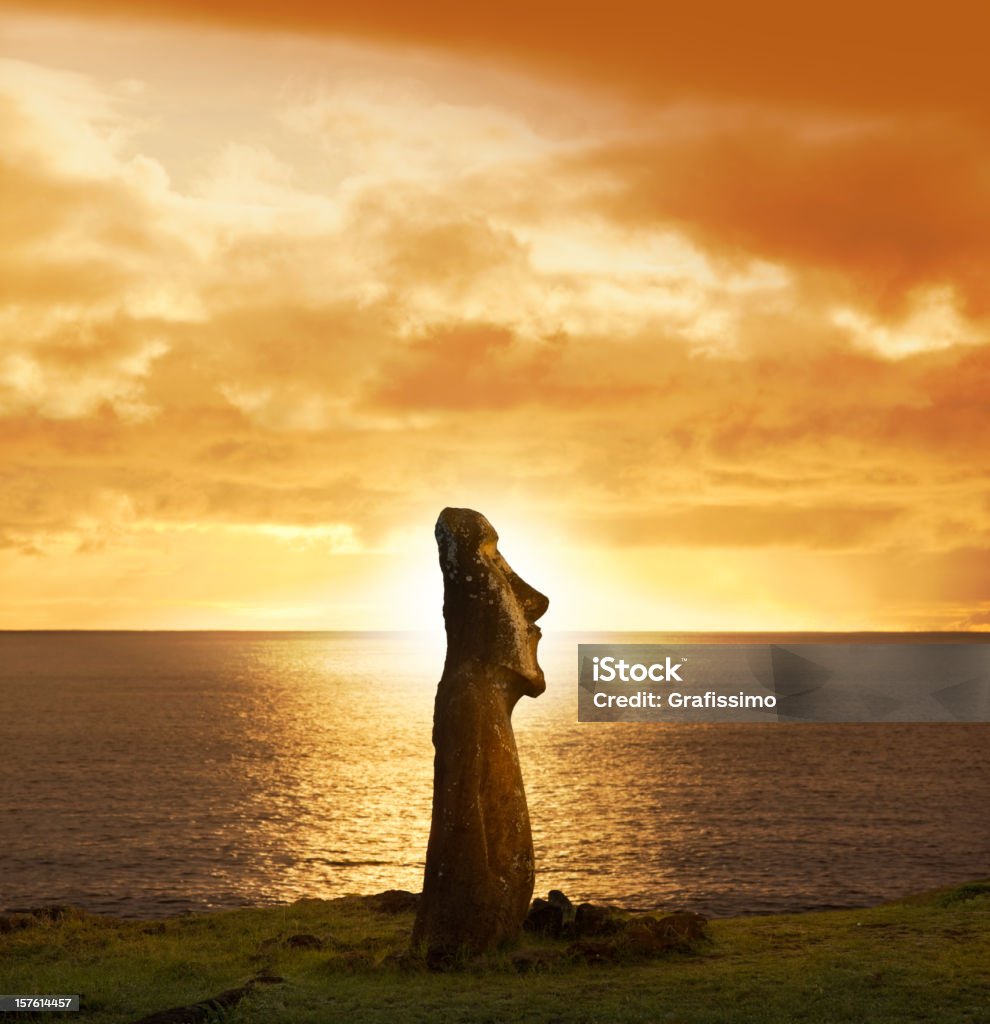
point(479, 862)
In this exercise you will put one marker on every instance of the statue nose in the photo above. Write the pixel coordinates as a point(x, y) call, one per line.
point(533, 602)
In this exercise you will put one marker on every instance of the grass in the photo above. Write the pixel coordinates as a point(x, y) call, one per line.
point(926, 958)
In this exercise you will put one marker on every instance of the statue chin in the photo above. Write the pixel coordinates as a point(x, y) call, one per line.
point(525, 666)
point(523, 681)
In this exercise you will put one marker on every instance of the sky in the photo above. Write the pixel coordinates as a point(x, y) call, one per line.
point(692, 304)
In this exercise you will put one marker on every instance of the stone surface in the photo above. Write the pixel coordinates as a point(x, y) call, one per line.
point(544, 918)
point(212, 1008)
point(553, 916)
point(638, 937)
point(567, 912)
point(394, 901)
point(683, 927)
point(479, 862)
point(593, 920)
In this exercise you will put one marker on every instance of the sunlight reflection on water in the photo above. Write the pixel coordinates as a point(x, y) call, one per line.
point(153, 773)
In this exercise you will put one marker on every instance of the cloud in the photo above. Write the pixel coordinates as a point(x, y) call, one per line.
point(468, 367)
point(858, 57)
point(748, 344)
point(372, 127)
point(890, 206)
point(773, 525)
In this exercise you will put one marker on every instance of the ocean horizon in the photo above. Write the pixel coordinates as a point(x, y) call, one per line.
point(148, 773)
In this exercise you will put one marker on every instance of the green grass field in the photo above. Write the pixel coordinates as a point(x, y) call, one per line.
point(922, 959)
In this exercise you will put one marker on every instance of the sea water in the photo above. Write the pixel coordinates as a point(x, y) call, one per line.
point(147, 774)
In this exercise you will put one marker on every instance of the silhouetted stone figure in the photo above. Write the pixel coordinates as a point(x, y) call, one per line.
point(479, 862)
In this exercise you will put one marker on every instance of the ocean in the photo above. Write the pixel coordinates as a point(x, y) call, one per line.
point(150, 774)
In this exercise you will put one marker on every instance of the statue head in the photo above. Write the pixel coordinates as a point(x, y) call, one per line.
point(490, 612)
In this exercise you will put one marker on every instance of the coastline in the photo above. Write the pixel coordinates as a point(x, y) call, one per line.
point(926, 954)
point(46, 908)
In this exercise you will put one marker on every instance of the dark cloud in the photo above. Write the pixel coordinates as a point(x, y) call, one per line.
point(854, 57)
point(888, 207)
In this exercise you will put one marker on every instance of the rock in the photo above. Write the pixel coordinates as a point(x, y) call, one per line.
point(644, 939)
point(479, 861)
point(52, 912)
point(552, 916)
point(544, 918)
point(525, 962)
point(404, 960)
point(15, 922)
point(558, 899)
point(209, 1009)
point(394, 901)
point(685, 928)
point(352, 961)
point(625, 938)
point(591, 920)
point(593, 952)
point(651, 936)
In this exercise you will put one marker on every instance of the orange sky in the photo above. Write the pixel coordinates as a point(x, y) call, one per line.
point(694, 307)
